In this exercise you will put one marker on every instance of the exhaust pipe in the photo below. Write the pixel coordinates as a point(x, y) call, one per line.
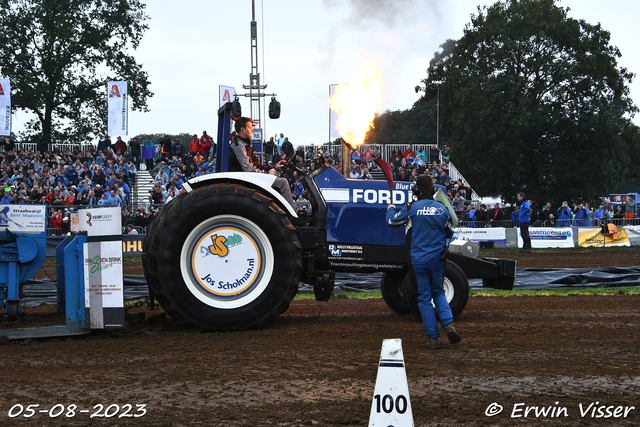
point(345, 159)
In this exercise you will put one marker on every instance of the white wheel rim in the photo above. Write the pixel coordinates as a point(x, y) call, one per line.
point(226, 261)
point(448, 290)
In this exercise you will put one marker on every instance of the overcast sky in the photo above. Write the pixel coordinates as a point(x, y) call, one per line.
point(193, 46)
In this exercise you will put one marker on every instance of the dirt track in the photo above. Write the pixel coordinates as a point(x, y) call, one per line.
point(317, 364)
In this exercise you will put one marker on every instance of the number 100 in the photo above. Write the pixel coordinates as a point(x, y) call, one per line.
point(387, 404)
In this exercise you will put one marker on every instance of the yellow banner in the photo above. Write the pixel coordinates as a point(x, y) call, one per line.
point(132, 245)
point(593, 237)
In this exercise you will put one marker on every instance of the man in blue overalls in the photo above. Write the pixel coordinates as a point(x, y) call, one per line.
point(429, 231)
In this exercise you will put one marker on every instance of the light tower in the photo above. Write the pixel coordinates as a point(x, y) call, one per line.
point(255, 88)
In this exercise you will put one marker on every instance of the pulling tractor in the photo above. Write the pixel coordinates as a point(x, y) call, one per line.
point(228, 253)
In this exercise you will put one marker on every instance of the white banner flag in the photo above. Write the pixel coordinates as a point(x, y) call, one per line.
point(497, 235)
point(5, 107)
point(546, 237)
point(118, 101)
point(333, 116)
point(227, 94)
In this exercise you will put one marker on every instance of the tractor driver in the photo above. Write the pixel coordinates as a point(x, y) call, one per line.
point(429, 232)
point(246, 161)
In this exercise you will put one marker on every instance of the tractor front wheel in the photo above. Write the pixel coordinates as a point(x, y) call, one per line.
point(223, 257)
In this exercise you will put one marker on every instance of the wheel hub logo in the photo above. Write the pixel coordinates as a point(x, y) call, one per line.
point(226, 261)
point(220, 245)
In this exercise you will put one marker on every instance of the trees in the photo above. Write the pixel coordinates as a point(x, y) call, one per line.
point(415, 126)
point(59, 55)
point(534, 101)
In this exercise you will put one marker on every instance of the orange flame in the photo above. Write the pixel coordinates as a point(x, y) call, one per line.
point(356, 104)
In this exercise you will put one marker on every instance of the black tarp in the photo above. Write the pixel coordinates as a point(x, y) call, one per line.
point(37, 292)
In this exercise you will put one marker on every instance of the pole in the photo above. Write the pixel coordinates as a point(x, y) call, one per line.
point(255, 87)
point(438, 120)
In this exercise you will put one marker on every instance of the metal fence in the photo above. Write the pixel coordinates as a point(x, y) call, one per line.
point(62, 147)
point(539, 223)
point(56, 231)
point(386, 150)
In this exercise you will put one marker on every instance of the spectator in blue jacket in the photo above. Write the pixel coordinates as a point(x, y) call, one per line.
point(470, 217)
point(7, 180)
point(581, 218)
point(599, 214)
point(6, 199)
point(514, 217)
point(297, 188)
point(114, 199)
point(564, 215)
point(524, 218)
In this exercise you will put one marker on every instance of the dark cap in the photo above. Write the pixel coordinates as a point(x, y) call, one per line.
point(425, 182)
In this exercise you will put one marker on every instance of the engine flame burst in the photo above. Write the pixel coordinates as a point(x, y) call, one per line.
point(356, 104)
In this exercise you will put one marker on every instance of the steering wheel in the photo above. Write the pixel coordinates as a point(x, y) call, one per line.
point(290, 163)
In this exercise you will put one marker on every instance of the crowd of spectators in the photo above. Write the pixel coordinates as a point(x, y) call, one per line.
point(174, 169)
point(581, 215)
point(67, 179)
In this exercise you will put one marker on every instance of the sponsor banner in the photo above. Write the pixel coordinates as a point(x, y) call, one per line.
point(257, 135)
point(364, 266)
point(548, 237)
point(346, 252)
point(633, 233)
point(5, 107)
point(75, 222)
point(227, 94)
point(100, 221)
point(593, 237)
point(380, 196)
point(118, 101)
point(132, 244)
point(103, 284)
point(333, 116)
point(497, 235)
point(23, 218)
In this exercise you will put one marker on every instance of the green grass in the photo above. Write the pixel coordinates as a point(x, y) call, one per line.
point(576, 249)
point(500, 293)
point(553, 292)
point(349, 295)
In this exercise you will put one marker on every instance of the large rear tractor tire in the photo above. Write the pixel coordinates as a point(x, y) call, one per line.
point(456, 289)
point(390, 287)
point(223, 257)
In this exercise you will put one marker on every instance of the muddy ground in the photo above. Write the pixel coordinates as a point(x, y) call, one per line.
point(317, 364)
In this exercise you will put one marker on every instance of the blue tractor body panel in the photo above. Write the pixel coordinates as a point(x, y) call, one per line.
point(356, 209)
